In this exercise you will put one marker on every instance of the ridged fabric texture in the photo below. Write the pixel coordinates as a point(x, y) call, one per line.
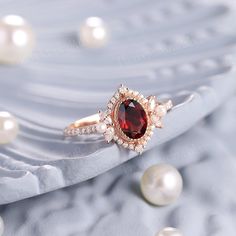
point(183, 50)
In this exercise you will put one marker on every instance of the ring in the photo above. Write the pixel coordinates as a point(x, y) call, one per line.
point(129, 119)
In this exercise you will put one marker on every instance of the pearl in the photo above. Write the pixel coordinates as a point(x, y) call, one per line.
point(1, 226)
point(16, 40)
point(8, 127)
point(169, 232)
point(93, 33)
point(101, 128)
point(161, 184)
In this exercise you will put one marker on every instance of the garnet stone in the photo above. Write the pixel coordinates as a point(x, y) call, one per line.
point(132, 119)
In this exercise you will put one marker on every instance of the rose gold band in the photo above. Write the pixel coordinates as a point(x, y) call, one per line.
point(86, 125)
point(129, 120)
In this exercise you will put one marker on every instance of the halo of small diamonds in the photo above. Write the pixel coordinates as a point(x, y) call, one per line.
point(129, 119)
point(150, 105)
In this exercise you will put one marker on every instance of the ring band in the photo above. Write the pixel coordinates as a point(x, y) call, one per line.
point(129, 120)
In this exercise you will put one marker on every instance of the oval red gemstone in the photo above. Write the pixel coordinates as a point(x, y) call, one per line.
point(132, 119)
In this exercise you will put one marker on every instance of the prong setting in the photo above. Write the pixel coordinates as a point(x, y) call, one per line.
point(152, 108)
point(129, 120)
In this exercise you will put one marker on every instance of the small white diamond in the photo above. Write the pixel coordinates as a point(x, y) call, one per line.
point(144, 100)
point(110, 105)
point(113, 100)
point(152, 103)
point(122, 89)
point(109, 134)
point(117, 95)
point(135, 93)
point(102, 115)
point(101, 127)
point(160, 110)
point(169, 105)
point(131, 146)
point(119, 141)
point(155, 119)
point(115, 138)
point(139, 148)
point(145, 143)
point(108, 120)
point(125, 145)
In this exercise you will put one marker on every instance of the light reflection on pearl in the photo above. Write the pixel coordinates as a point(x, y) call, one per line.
point(20, 38)
point(14, 20)
point(16, 40)
point(8, 127)
point(169, 181)
point(161, 184)
point(93, 33)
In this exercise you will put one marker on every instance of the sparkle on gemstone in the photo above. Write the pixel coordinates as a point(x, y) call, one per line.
point(132, 119)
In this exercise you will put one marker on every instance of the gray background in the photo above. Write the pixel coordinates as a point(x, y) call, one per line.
point(182, 50)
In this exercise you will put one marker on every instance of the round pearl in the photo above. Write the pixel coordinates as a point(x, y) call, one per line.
point(8, 127)
point(169, 232)
point(101, 128)
point(1, 226)
point(16, 40)
point(93, 33)
point(161, 184)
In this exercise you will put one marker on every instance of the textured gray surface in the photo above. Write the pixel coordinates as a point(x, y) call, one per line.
point(111, 203)
point(177, 49)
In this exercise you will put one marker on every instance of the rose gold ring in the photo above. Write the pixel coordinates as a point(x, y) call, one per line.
point(129, 120)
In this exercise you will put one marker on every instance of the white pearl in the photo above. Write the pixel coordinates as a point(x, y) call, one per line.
point(8, 127)
point(16, 40)
point(161, 184)
point(169, 232)
point(1, 226)
point(101, 128)
point(93, 33)
point(161, 110)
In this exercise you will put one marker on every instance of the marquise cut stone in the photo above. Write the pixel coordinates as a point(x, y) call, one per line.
point(132, 119)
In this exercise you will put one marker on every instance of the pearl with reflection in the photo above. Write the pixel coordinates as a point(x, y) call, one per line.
point(169, 232)
point(161, 184)
point(1, 226)
point(93, 33)
point(8, 127)
point(101, 128)
point(16, 40)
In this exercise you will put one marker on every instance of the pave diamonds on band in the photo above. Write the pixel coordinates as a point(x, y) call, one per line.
point(70, 132)
point(129, 120)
